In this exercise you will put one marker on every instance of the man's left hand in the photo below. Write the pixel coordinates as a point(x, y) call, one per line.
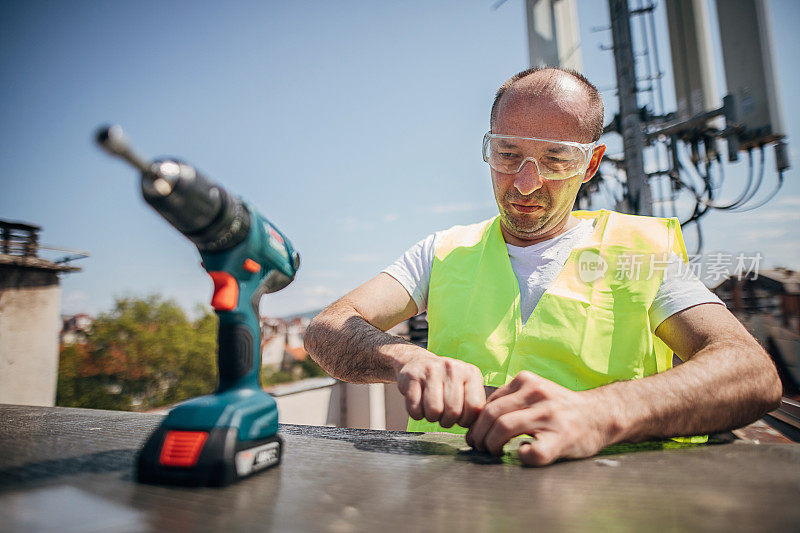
point(564, 423)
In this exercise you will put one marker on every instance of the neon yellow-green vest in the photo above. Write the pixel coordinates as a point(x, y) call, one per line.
point(590, 328)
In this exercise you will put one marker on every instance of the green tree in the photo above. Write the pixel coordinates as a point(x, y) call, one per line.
point(145, 353)
point(79, 388)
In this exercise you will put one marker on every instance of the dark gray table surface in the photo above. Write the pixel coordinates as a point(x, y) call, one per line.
point(72, 470)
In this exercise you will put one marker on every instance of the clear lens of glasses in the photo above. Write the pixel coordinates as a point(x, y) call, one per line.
point(555, 160)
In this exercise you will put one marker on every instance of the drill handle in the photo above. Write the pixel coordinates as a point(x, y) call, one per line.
point(239, 352)
point(239, 341)
point(263, 263)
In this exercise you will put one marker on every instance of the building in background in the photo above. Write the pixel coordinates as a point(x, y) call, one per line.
point(769, 306)
point(75, 328)
point(282, 341)
point(30, 317)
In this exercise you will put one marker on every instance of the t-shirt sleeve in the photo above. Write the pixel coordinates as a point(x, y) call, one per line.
point(680, 289)
point(413, 270)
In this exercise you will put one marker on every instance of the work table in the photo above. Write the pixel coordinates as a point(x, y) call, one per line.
point(72, 470)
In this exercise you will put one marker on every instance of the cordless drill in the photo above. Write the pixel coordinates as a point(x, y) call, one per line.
point(221, 437)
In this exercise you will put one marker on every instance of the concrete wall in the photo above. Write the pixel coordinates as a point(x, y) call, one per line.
point(30, 302)
point(328, 402)
point(395, 405)
point(316, 407)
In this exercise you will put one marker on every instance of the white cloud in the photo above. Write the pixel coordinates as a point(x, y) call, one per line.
point(791, 200)
point(764, 235)
point(389, 217)
point(317, 290)
point(779, 215)
point(75, 297)
point(348, 223)
point(782, 247)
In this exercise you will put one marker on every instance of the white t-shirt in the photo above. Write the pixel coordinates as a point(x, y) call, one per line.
point(537, 266)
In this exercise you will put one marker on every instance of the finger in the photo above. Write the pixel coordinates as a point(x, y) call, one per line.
point(509, 388)
point(491, 412)
point(543, 451)
point(453, 403)
point(534, 388)
point(412, 391)
point(510, 425)
point(477, 430)
point(474, 400)
point(433, 399)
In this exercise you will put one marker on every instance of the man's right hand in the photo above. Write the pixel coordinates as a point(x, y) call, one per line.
point(441, 389)
point(348, 340)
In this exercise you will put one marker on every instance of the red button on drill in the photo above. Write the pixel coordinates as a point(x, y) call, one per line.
point(182, 448)
point(226, 291)
point(251, 266)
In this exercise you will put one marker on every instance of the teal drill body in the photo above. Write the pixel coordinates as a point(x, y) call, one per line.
point(239, 401)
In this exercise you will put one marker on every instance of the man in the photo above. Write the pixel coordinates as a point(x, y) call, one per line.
point(537, 303)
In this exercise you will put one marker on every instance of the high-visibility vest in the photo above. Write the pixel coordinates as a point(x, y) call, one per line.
point(590, 328)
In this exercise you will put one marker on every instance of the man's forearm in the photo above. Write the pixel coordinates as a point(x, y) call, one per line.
point(439, 389)
point(724, 386)
point(351, 349)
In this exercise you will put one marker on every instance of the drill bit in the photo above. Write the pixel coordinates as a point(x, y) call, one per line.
point(114, 141)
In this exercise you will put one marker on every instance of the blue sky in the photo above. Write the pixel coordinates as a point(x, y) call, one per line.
point(355, 127)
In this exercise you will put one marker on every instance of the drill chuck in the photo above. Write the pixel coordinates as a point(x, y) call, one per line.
point(197, 207)
point(200, 209)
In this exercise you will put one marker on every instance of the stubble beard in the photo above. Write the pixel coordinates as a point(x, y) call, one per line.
point(520, 224)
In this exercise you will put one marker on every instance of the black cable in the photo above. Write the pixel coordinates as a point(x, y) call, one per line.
point(696, 222)
point(711, 155)
point(700, 207)
point(705, 177)
point(721, 173)
point(768, 198)
point(696, 214)
point(698, 175)
point(758, 183)
point(673, 173)
point(712, 188)
point(699, 238)
point(698, 197)
point(698, 201)
point(685, 185)
point(737, 202)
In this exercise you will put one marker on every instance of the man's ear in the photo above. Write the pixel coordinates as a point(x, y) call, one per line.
point(594, 162)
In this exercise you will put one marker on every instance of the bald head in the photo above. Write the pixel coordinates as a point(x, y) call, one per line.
point(556, 86)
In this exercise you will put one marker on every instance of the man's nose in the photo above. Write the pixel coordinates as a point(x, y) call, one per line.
point(528, 179)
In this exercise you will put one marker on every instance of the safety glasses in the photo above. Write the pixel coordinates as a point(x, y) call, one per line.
point(554, 160)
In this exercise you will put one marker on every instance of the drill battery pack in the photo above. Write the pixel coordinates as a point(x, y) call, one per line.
point(204, 458)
